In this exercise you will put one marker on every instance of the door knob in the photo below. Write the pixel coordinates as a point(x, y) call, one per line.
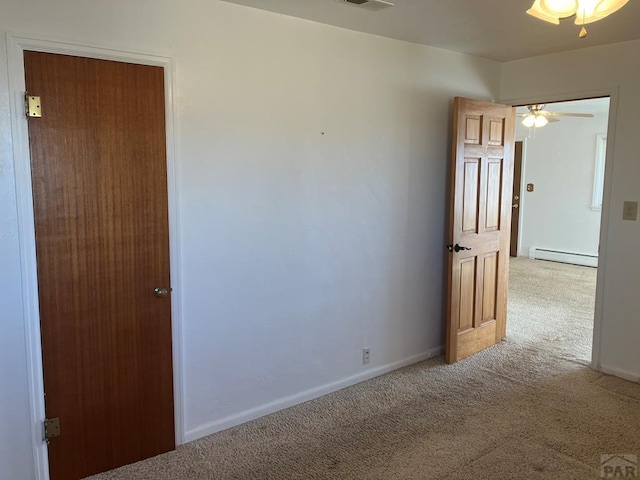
point(160, 292)
point(456, 248)
point(515, 205)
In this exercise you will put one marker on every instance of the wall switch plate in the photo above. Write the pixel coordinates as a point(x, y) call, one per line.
point(366, 355)
point(630, 211)
point(530, 187)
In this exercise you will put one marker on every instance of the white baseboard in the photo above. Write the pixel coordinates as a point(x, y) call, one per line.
point(617, 372)
point(564, 257)
point(305, 396)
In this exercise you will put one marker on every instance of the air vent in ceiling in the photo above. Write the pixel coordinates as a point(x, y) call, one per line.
point(370, 4)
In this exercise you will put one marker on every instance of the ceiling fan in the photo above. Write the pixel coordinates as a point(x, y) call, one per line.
point(538, 117)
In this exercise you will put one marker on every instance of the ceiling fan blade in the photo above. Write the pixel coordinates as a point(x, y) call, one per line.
point(553, 120)
point(580, 115)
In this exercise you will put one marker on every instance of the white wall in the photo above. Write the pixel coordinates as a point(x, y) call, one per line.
point(560, 162)
point(609, 67)
point(312, 198)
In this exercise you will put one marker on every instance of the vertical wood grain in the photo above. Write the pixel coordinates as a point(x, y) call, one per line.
point(471, 190)
point(490, 285)
point(467, 294)
point(473, 129)
point(494, 190)
point(496, 131)
point(485, 133)
point(98, 163)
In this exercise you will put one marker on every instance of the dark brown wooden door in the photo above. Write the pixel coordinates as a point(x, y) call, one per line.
point(516, 198)
point(482, 177)
point(98, 163)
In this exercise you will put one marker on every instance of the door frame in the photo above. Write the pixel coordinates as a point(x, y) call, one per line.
point(613, 93)
point(16, 45)
point(524, 141)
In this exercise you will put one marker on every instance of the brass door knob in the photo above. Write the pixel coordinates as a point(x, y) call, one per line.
point(160, 292)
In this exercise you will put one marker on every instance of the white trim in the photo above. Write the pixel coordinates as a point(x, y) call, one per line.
point(598, 172)
point(16, 45)
point(604, 227)
point(632, 377)
point(613, 93)
point(537, 253)
point(257, 412)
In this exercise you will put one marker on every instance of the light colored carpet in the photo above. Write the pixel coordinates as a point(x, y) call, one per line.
point(527, 408)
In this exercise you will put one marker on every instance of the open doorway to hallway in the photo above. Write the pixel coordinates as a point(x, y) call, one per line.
point(557, 202)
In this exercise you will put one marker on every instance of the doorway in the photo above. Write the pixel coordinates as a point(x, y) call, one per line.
point(26, 191)
point(517, 193)
point(98, 165)
point(556, 218)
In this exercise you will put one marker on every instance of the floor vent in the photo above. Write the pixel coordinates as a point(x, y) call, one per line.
point(373, 5)
point(563, 257)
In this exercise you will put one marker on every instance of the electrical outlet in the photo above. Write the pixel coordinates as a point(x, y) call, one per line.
point(630, 211)
point(366, 355)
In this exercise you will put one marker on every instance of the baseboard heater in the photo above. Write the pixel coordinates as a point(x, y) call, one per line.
point(563, 257)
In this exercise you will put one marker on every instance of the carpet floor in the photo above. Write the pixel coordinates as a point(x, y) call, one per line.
point(528, 408)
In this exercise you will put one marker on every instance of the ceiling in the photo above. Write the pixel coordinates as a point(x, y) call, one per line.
point(495, 29)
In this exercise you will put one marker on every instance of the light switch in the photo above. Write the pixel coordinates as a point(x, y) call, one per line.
point(530, 187)
point(630, 211)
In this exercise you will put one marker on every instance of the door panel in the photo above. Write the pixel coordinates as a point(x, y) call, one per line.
point(494, 181)
point(489, 287)
point(482, 176)
point(473, 129)
point(467, 294)
point(496, 131)
point(471, 191)
point(98, 164)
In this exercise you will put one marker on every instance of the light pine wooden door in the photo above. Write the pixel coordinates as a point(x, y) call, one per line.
point(98, 163)
point(481, 187)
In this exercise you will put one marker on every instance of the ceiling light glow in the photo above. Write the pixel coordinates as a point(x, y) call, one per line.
point(586, 11)
point(541, 121)
point(529, 121)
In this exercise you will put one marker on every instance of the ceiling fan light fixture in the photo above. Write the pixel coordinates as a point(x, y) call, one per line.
point(586, 11)
point(540, 121)
point(539, 12)
point(538, 117)
point(561, 8)
point(590, 11)
point(529, 121)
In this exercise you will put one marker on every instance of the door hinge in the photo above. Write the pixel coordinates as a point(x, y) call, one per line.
point(51, 428)
point(33, 106)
